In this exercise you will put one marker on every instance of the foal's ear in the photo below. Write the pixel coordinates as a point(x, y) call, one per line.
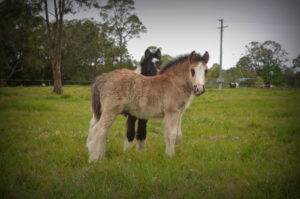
point(158, 53)
point(192, 56)
point(147, 53)
point(205, 57)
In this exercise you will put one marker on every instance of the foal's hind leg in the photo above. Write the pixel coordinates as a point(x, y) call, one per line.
point(130, 131)
point(92, 124)
point(98, 134)
point(141, 134)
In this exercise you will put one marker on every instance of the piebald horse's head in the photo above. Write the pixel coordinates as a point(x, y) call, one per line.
point(198, 70)
point(151, 63)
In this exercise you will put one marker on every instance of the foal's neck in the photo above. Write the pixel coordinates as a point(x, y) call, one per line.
point(179, 73)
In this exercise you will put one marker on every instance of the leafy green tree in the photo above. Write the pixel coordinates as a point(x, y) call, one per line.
point(81, 51)
point(87, 50)
point(258, 81)
point(245, 65)
point(296, 67)
point(21, 39)
point(214, 71)
point(289, 76)
point(55, 32)
point(124, 25)
point(296, 62)
point(152, 48)
point(165, 58)
point(245, 69)
point(267, 59)
point(231, 75)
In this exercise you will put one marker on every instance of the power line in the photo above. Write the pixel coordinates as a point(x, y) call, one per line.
point(221, 80)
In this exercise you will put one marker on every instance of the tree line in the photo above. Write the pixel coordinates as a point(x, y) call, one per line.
point(264, 64)
point(38, 43)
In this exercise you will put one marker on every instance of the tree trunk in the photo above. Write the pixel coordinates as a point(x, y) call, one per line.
point(121, 50)
point(56, 60)
point(54, 40)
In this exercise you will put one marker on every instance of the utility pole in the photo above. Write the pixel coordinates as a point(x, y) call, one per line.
point(221, 46)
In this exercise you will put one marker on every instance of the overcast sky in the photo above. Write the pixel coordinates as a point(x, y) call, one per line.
point(179, 27)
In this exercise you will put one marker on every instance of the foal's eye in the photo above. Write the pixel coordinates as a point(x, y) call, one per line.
point(206, 71)
point(193, 72)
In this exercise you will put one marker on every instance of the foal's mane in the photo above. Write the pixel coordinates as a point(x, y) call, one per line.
point(177, 60)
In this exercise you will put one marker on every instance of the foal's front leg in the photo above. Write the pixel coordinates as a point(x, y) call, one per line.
point(171, 131)
point(179, 133)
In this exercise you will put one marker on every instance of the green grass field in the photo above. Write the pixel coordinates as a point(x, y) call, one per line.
point(237, 143)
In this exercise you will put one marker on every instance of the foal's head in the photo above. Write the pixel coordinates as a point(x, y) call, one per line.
point(198, 70)
point(150, 66)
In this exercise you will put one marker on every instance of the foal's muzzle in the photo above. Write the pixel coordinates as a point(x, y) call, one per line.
point(199, 89)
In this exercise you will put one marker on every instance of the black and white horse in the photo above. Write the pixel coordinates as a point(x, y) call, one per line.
point(149, 66)
point(233, 85)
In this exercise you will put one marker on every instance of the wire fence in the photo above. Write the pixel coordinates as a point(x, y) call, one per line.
point(26, 82)
point(211, 83)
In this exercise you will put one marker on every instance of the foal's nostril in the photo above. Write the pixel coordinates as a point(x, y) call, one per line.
point(196, 88)
point(199, 89)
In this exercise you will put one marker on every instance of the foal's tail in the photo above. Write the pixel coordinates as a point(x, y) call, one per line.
point(96, 104)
